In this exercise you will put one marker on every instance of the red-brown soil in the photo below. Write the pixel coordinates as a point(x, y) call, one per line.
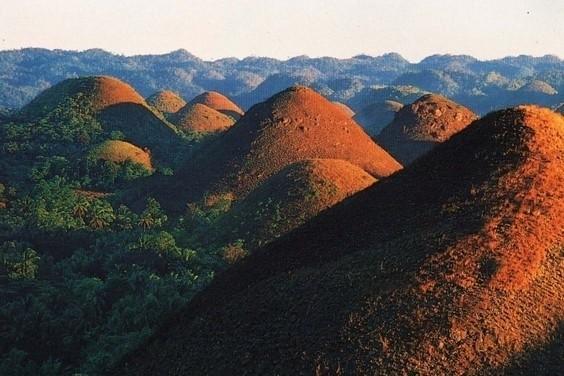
point(376, 116)
point(291, 197)
point(346, 109)
point(196, 117)
point(418, 127)
point(219, 102)
point(452, 266)
point(293, 125)
point(98, 92)
point(166, 102)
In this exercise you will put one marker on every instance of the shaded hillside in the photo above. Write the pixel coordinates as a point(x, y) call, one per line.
point(166, 102)
point(144, 128)
point(376, 116)
point(452, 266)
point(199, 118)
point(295, 124)
point(220, 103)
point(291, 197)
point(417, 128)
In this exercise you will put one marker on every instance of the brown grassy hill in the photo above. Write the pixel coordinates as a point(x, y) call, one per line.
point(196, 117)
point(346, 109)
point(291, 197)
point(219, 102)
point(166, 101)
point(376, 116)
point(418, 127)
point(98, 92)
point(117, 106)
point(452, 266)
point(121, 151)
point(293, 125)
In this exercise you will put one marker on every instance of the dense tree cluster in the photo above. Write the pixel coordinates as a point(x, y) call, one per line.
point(83, 278)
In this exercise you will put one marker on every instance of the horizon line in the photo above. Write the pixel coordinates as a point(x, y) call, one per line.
point(305, 56)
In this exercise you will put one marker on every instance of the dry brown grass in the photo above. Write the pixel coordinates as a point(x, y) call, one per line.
point(294, 125)
point(166, 102)
point(418, 127)
point(201, 119)
point(451, 266)
point(219, 102)
point(121, 151)
point(99, 92)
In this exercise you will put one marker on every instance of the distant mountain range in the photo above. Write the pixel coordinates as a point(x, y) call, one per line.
point(358, 81)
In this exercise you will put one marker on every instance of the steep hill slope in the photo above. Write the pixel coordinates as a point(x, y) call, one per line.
point(166, 101)
point(452, 266)
point(219, 102)
point(196, 117)
point(417, 128)
point(293, 125)
point(346, 109)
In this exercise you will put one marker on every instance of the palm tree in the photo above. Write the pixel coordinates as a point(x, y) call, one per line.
point(29, 263)
point(80, 208)
point(146, 221)
point(152, 216)
point(101, 215)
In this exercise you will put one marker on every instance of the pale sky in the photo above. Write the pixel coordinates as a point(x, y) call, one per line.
point(285, 28)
